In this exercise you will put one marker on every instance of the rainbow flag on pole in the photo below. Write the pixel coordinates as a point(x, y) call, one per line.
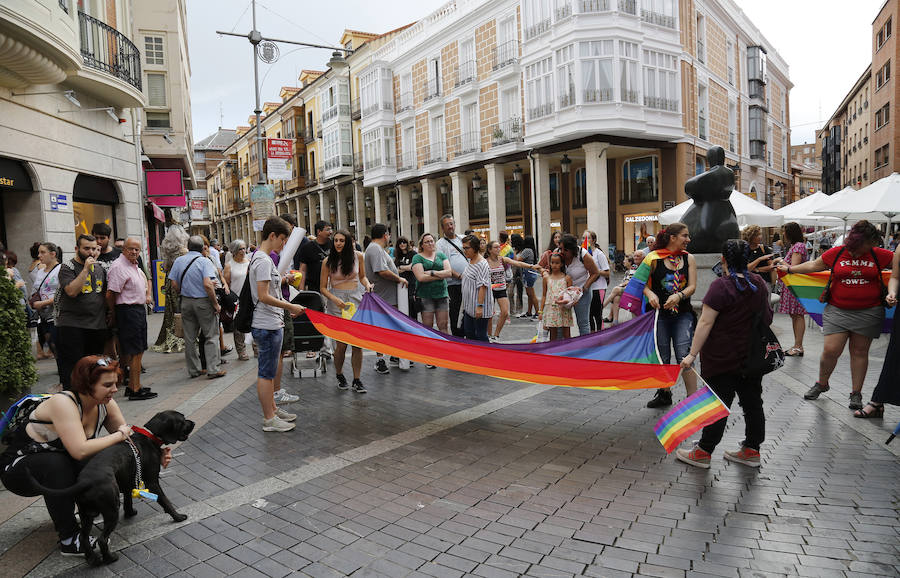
point(700, 409)
point(808, 288)
point(633, 297)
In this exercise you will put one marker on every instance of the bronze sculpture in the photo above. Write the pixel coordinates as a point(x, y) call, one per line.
point(711, 219)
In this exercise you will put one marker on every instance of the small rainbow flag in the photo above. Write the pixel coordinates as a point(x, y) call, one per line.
point(587, 246)
point(807, 288)
point(633, 297)
point(700, 409)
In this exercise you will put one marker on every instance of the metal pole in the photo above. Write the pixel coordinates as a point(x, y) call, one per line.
point(255, 38)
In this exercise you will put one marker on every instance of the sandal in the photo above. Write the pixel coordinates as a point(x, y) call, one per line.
point(794, 352)
point(877, 411)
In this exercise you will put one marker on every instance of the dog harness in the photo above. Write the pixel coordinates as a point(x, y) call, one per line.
point(139, 490)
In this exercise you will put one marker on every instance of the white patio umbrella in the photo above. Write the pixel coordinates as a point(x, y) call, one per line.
point(748, 211)
point(801, 212)
point(878, 202)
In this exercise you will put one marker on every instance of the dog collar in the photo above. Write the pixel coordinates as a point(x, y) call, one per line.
point(148, 434)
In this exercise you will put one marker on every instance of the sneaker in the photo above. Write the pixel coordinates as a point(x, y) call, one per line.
point(523, 316)
point(73, 548)
point(745, 455)
point(394, 361)
point(662, 398)
point(815, 391)
point(855, 400)
point(342, 382)
point(282, 396)
point(143, 393)
point(277, 424)
point(358, 387)
point(430, 366)
point(283, 415)
point(493, 339)
point(381, 366)
point(695, 456)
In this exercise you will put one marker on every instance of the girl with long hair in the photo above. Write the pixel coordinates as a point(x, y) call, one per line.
point(598, 288)
point(235, 273)
point(556, 318)
point(790, 305)
point(528, 254)
point(343, 279)
point(552, 247)
point(498, 265)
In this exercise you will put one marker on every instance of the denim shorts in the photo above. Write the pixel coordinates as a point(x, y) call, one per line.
point(529, 276)
point(677, 330)
point(430, 305)
point(268, 342)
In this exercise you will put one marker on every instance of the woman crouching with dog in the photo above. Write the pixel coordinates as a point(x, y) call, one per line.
point(61, 432)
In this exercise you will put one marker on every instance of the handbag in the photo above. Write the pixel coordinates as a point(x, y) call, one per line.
point(764, 354)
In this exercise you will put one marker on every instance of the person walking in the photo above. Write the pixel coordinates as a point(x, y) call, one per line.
point(193, 278)
point(556, 318)
point(384, 276)
point(128, 294)
point(790, 305)
point(887, 389)
point(673, 279)
point(404, 253)
point(477, 304)
point(44, 293)
point(450, 244)
point(499, 265)
point(582, 268)
point(83, 318)
point(174, 245)
point(432, 270)
point(598, 289)
point(267, 325)
point(526, 253)
point(732, 302)
point(854, 312)
point(343, 279)
point(235, 274)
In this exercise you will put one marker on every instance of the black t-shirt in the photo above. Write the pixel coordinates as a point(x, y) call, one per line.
point(106, 259)
point(759, 252)
point(88, 309)
point(728, 342)
point(406, 259)
point(312, 254)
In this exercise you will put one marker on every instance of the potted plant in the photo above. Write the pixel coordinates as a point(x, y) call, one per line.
point(498, 135)
point(17, 372)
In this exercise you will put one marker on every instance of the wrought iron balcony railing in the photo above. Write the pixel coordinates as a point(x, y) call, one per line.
point(106, 49)
point(505, 54)
point(466, 72)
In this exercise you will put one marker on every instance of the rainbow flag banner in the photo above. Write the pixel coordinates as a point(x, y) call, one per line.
point(491, 360)
point(808, 288)
point(633, 297)
point(698, 410)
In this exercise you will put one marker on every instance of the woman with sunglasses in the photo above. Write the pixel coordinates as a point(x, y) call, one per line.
point(61, 433)
point(477, 301)
point(235, 274)
point(403, 258)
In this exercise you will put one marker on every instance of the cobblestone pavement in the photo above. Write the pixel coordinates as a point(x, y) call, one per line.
point(440, 473)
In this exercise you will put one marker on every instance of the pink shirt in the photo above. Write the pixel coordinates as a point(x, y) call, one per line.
point(127, 279)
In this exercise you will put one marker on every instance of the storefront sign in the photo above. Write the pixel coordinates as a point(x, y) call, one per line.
point(58, 201)
point(164, 187)
point(280, 156)
point(158, 213)
point(641, 218)
point(262, 204)
point(159, 286)
point(14, 176)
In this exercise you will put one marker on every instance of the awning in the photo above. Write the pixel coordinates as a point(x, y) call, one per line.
point(158, 213)
point(14, 176)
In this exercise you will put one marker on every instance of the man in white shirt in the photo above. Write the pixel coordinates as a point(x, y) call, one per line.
point(450, 244)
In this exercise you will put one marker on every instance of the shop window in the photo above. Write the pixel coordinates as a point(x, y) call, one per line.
point(640, 180)
point(580, 199)
point(480, 203)
point(513, 196)
point(554, 192)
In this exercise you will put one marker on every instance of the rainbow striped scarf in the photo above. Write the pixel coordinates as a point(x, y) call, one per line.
point(698, 410)
point(633, 297)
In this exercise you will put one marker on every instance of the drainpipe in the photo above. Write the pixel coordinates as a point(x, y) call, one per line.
point(136, 136)
point(534, 206)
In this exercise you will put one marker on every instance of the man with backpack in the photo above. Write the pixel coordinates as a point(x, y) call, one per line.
point(194, 280)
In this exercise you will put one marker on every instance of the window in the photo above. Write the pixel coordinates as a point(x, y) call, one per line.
point(628, 65)
point(158, 120)
point(565, 75)
point(513, 197)
point(436, 138)
point(757, 131)
point(597, 81)
point(480, 203)
point(730, 64)
point(756, 72)
point(732, 126)
point(554, 191)
point(580, 199)
point(882, 116)
point(640, 180)
point(153, 49)
point(881, 156)
point(539, 88)
point(702, 108)
point(699, 165)
point(883, 75)
point(471, 138)
point(156, 90)
point(660, 80)
point(701, 38)
point(378, 148)
point(434, 78)
point(883, 34)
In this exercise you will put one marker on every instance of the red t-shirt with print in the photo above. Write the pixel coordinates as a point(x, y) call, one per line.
point(854, 283)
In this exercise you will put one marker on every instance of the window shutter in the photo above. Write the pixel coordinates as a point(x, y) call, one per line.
point(156, 89)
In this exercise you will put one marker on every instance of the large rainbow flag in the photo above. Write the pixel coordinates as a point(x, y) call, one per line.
point(548, 363)
point(807, 288)
point(633, 297)
point(698, 410)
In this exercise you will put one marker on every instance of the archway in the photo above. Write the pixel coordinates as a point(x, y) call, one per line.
point(17, 183)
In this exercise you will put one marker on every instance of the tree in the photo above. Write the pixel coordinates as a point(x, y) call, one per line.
point(17, 371)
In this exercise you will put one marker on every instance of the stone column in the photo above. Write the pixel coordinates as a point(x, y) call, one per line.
point(496, 200)
point(404, 202)
point(378, 198)
point(430, 207)
point(541, 199)
point(314, 201)
point(340, 208)
point(325, 206)
point(359, 210)
point(597, 192)
point(459, 184)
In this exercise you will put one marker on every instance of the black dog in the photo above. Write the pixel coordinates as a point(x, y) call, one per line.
point(112, 471)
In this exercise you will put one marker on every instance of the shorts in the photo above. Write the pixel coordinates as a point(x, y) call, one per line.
point(529, 277)
point(287, 342)
point(268, 342)
point(131, 321)
point(500, 294)
point(865, 322)
point(430, 305)
point(346, 295)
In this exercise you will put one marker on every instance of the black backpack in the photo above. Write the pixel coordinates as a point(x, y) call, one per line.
point(243, 319)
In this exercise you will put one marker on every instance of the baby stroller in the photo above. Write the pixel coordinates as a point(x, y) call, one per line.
point(307, 338)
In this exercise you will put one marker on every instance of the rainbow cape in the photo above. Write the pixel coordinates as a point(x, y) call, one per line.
point(698, 410)
point(633, 297)
point(548, 363)
point(506, 250)
point(808, 288)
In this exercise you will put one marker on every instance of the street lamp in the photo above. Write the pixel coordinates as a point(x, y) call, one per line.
point(565, 165)
point(517, 174)
point(476, 181)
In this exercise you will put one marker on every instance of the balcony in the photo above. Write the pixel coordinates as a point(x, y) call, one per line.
point(590, 6)
point(537, 29)
point(540, 111)
point(567, 99)
point(658, 19)
point(510, 130)
point(597, 95)
point(112, 64)
point(309, 134)
point(406, 101)
point(355, 113)
point(406, 161)
point(465, 73)
point(467, 143)
point(659, 103)
point(434, 153)
point(505, 54)
point(563, 11)
point(629, 95)
point(432, 88)
point(376, 106)
point(335, 111)
point(628, 7)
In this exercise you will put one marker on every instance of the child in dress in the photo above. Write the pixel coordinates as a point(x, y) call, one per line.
point(556, 318)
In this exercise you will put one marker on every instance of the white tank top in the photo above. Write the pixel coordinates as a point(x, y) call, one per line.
point(238, 274)
point(576, 269)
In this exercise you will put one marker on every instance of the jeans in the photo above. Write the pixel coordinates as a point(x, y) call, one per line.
point(597, 296)
point(455, 294)
point(749, 393)
point(54, 470)
point(582, 311)
point(199, 318)
point(474, 328)
point(74, 343)
point(268, 341)
point(677, 330)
